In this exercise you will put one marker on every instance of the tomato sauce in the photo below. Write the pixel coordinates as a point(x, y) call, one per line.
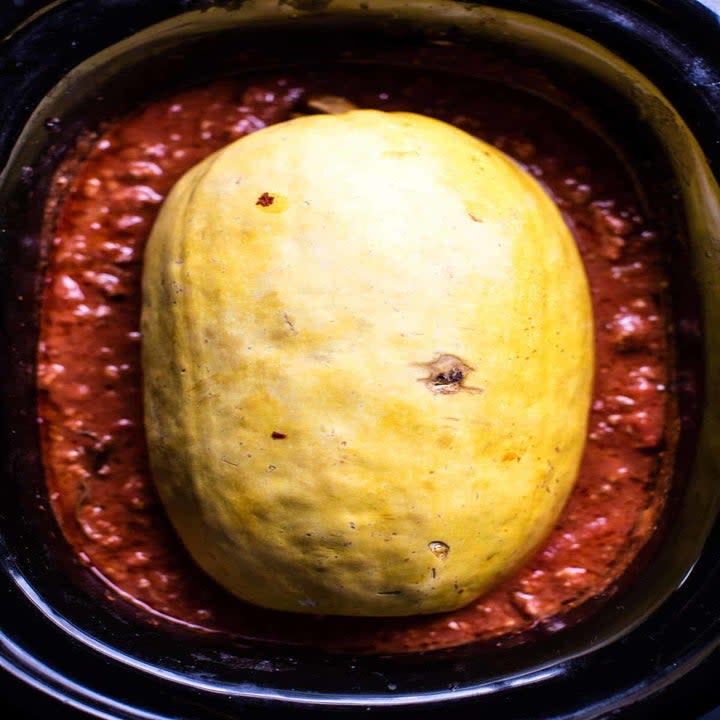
point(107, 197)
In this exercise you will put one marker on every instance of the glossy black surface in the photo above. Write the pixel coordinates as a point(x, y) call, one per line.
point(49, 606)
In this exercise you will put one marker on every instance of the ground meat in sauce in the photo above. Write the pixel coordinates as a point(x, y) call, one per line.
point(90, 381)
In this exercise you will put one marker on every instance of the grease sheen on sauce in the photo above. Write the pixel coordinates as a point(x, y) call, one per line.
point(90, 381)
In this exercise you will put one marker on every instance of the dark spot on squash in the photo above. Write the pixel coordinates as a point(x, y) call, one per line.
point(455, 375)
point(265, 200)
point(447, 374)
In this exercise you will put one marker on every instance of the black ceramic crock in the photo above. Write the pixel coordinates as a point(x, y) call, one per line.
point(656, 69)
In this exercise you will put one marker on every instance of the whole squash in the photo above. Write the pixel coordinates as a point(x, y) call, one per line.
point(367, 357)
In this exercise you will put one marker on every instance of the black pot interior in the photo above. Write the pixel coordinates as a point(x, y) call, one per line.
point(66, 619)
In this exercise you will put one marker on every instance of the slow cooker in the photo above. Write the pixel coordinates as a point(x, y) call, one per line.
point(73, 64)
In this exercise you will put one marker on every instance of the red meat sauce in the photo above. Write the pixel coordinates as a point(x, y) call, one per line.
point(90, 377)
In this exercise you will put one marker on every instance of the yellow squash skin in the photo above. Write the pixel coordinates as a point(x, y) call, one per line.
point(300, 436)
